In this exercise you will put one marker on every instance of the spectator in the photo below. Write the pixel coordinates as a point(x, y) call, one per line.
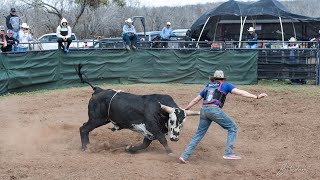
point(214, 96)
point(3, 42)
point(251, 38)
point(317, 39)
point(292, 60)
point(24, 38)
point(129, 34)
point(13, 23)
point(64, 35)
point(165, 34)
point(10, 41)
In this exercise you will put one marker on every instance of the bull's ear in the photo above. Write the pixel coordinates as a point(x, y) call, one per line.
point(189, 113)
point(167, 108)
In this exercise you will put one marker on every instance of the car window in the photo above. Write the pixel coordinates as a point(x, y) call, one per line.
point(53, 38)
point(73, 37)
point(44, 39)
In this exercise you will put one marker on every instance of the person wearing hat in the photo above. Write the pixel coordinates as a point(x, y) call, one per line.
point(64, 35)
point(214, 96)
point(24, 38)
point(10, 41)
point(165, 34)
point(129, 34)
point(13, 22)
point(3, 42)
point(251, 38)
point(293, 45)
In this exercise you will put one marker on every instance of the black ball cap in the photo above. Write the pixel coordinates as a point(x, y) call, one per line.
point(13, 9)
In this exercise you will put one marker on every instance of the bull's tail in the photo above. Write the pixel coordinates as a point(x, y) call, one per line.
point(78, 70)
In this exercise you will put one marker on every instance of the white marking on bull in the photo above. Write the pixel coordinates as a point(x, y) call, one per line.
point(141, 128)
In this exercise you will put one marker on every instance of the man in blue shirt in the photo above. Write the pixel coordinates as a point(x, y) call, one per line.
point(214, 96)
point(251, 39)
point(129, 35)
point(165, 34)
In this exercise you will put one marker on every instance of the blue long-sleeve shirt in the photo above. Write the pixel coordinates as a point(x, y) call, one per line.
point(166, 33)
point(128, 29)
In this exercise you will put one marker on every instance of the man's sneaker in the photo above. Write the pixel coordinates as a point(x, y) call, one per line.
point(182, 160)
point(67, 50)
point(133, 47)
point(128, 47)
point(232, 157)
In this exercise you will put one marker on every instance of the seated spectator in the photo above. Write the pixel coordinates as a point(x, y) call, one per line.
point(317, 39)
point(251, 38)
point(10, 41)
point(24, 38)
point(165, 34)
point(64, 35)
point(129, 34)
point(3, 42)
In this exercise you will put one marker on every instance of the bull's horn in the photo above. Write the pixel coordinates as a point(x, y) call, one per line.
point(167, 108)
point(188, 112)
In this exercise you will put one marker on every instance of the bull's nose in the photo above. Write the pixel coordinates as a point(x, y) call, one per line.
point(174, 139)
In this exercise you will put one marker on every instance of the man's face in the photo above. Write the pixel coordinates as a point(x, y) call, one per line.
point(129, 23)
point(9, 34)
point(64, 24)
point(251, 32)
point(1, 31)
point(13, 12)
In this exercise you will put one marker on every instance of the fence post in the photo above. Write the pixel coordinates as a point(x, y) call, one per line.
point(318, 64)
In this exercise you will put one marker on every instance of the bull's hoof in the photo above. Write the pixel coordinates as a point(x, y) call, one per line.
point(129, 149)
point(83, 149)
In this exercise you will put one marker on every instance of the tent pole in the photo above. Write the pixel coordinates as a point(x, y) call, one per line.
point(281, 31)
point(294, 30)
point(202, 32)
point(241, 30)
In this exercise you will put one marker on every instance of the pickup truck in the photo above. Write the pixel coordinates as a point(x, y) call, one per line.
point(49, 42)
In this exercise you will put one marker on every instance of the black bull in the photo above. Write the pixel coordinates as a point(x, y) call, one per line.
point(153, 115)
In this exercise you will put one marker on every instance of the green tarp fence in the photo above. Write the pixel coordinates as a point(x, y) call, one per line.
point(53, 69)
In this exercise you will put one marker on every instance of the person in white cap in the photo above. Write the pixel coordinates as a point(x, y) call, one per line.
point(214, 95)
point(64, 35)
point(24, 38)
point(129, 35)
point(165, 34)
point(251, 38)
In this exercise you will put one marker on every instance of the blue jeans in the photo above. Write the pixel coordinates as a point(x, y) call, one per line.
point(207, 115)
point(130, 39)
point(253, 46)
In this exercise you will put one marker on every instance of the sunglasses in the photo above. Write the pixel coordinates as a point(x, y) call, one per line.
point(168, 25)
point(25, 28)
point(2, 30)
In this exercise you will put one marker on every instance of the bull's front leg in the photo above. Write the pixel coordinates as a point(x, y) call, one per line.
point(144, 145)
point(87, 127)
point(162, 139)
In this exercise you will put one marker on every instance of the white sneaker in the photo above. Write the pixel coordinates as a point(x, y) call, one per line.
point(128, 47)
point(231, 157)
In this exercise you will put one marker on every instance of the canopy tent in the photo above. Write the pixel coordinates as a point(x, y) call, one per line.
point(227, 22)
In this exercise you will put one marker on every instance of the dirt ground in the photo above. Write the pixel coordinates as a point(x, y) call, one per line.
point(278, 138)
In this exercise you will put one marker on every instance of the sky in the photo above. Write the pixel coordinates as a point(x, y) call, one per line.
point(157, 3)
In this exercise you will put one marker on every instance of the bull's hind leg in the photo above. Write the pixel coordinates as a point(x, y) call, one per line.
point(144, 145)
point(87, 128)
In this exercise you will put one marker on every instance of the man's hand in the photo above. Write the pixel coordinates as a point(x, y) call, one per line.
point(262, 95)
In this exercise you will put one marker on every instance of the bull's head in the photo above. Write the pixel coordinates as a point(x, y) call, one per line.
point(177, 117)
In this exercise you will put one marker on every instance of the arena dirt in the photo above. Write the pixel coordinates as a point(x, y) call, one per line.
point(278, 138)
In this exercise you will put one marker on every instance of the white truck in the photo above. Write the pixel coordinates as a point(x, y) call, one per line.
point(49, 42)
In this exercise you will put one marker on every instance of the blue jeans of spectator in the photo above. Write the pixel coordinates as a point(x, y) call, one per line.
point(21, 49)
point(130, 39)
point(251, 46)
point(208, 115)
